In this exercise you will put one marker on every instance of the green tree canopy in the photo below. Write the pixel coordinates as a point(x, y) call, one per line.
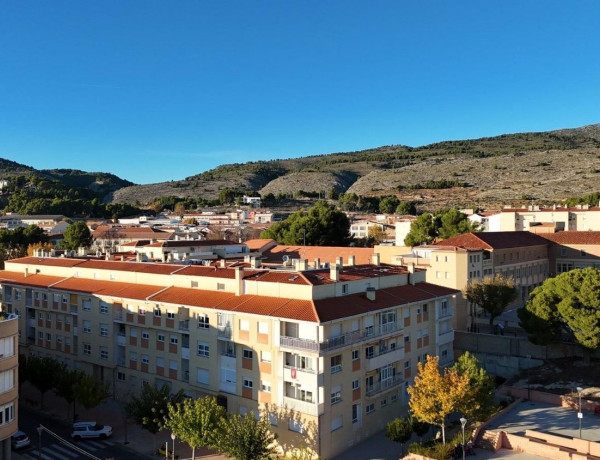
point(43, 374)
point(491, 294)
point(89, 391)
point(405, 208)
point(388, 204)
point(242, 437)
point(567, 305)
point(443, 224)
point(196, 422)
point(479, 400)
point(77, 235)
point(399, 430)
point(321, 225)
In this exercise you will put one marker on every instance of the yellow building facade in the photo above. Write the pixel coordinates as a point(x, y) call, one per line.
point(325, 354)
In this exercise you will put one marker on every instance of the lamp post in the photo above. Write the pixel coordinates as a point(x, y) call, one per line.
point(39, 430)
point(463, 422)
point(173, 438)
point(579, 414)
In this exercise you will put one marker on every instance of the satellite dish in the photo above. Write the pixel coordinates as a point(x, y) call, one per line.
point(285, 258)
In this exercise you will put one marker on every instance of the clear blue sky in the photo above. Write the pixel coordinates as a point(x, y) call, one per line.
point(161, 90)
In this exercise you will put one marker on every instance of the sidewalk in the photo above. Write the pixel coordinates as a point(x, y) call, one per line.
point(128, 434)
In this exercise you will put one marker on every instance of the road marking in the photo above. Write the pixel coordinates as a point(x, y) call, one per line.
point(65, 450)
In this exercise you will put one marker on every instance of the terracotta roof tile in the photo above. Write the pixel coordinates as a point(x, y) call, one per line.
point(573, 237)
point(48, 261)
point(192, 297)
point(138, 267)
point(494, 240)
point(108, 288)
point(326, 254)
point(258, 244)
point(38, 280)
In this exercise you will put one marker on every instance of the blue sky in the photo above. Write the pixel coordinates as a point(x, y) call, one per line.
point(160, 90)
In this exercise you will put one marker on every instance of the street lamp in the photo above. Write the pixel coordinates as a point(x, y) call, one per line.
point(579, 414)
point(173, 438)
point(463, 422)
point(39, 430)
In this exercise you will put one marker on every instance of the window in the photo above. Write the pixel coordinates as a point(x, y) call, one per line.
point(344, 288)
point(145, 359)
point(394, 397)
point(173, 340)
point(145, 334)
point(104, 330)
point(355, 355)
point(244, 325)
point(170, 315)
point(40, 334)
point(157, 312)
point(295, 425)
point(407, 364)
point(7, 413)
point(7, 380)
point(48, 336)
point(369, 352)
point(203, 321)
point(437, 275)
point(265, 386)
point(355, 384)
point(121, 377)
point(87, 327)
point(160, 361)
point(87, 349)
point(263, 327)
point(133, 356)
point(407, 339)
point(370, 408)
point(203, 349)
point(141, 311)
point(220, 286)
point(18, 294)
point(336, 423)
point(336, 395)
point(265, 356)
point(355, 412)
point(247, 383)
point(202, 376)
point(59, 318)
point(160, 337)
point(41, 315)
point(65, 299)
point(248, 354)
point(59, 339)
point(384, 401)
point(447, 275)
point(336, 363)
point(103, 308)
point(56, 298)
point(172, 365)
point(103, 353)
point(133, 332)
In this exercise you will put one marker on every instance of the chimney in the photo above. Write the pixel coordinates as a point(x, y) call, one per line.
point(301, 265)
point(376, 260)
point(351, 260)
point(339, 261)
point(122, 258)
point(239, 280)
point(26, 272)
point(334, 273)
point(371, 294)
point(317, 263)
point(411, 273)
point(255, 262)
point(138, 257)
point(223, 263)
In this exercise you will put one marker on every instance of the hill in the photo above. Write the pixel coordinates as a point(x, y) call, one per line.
point(489, 172)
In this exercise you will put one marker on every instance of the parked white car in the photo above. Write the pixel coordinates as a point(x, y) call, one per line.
point(19, 440)
point(83, 430)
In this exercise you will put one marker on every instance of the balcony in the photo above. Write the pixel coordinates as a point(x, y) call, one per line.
point(121, 340)
point(334, 343)
point(304, 407)
point(445, 313)
point(186, 375)
point(184, 325)
point(383, 385)
point(185, 352)
point(445, 337)
point(384, 358)
point(224, 332)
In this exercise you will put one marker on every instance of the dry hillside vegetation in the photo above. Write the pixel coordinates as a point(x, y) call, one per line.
point(503, 170)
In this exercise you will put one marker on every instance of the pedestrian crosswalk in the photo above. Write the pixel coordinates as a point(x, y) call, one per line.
point(64, 452)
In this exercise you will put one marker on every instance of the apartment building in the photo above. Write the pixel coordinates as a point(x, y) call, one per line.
point(576, 218)
point(326, 354)
point(9, 388)
point(570, 250)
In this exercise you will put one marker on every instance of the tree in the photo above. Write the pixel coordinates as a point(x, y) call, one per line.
point(64, 387)
point(376, 234)
point(443, 224)
point(493, 295)
point(568, 304)
point(321, 225)
point(42, 373)
point(77, 235)
point(480, 399)
point(179, 209)
point(399, 430)
point(242, 437)
point(90, 392)
point(388, 204)
point(405, 208)
point(434, 396)
point(196, 422)
point(422, 231)
point(150, 408)
point(419, 428)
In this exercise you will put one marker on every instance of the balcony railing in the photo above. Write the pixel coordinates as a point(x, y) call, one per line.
point(343, 340)
point(224, 332)
point(300, 369)
point(184, 325)
point(446, 313)
point(383, 385)
point(298, 405)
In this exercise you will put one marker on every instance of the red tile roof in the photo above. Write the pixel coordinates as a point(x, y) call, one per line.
point(494, 240)
point(323, 253)
point(573, 237)
point(108, 288)
point(104, 231)
point(47, 261)
point(259, 244)
point(42, 281)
